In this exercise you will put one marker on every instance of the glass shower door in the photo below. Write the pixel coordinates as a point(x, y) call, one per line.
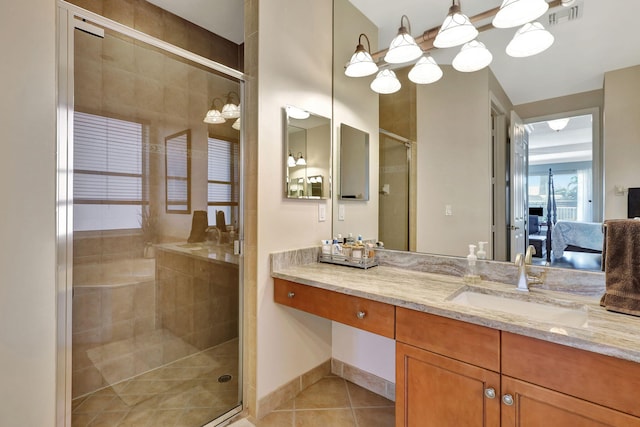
point(156, 311)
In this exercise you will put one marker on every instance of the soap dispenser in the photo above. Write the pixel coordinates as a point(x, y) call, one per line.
point(472, 275)
point(482, 254)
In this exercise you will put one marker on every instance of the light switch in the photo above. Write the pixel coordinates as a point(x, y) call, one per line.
point(322, 212)
point(340, 212)
point(448, 210)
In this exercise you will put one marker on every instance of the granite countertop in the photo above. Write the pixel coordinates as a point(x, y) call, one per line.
point(603, 332)
point(205, 251)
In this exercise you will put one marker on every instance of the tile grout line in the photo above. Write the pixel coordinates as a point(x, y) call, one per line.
point(353, 412)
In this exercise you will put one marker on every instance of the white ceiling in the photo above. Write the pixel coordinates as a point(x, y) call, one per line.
point(222, 17)
point(603, 39)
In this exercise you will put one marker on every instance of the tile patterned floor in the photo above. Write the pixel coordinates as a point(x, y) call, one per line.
point(334, 402)
point(184, 393)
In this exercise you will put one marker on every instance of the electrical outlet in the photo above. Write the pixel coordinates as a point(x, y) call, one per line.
point(340, 212)
point(448, 210)
point(322, 212)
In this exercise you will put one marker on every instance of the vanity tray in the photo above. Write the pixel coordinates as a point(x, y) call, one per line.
point(349, 261)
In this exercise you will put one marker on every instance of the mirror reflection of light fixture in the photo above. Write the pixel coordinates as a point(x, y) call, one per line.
point(425, 71)
point(297, 113)
point(291, 161)
point(514, 13)
point(386, 82)
point(231, 110)
point(301, 161)
point(236, 124)
point(558, 124)
point(361, 63)
point(456, 29)
point(473, 56)
point(403, 47)
point(529, 40)
point(214, 116)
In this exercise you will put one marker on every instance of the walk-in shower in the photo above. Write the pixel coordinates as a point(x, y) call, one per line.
point(155, 319)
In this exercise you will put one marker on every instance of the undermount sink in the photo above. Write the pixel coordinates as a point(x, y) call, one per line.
point(575, 316)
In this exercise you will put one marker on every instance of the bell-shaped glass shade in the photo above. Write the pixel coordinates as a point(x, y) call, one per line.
point(301, 161)
point(361, 64)
point(529, 40)
point(473, 56)
point(425, 71)
point(236, 124)
point(214, 117)
point(514, 13)
point(231, 111)
point(297, 113)
point(403, 48)
point(457, 29)
point(386, 82)
point(291, 162)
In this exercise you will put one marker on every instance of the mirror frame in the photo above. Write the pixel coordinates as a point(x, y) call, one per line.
point(326, 180)
point(167, 142)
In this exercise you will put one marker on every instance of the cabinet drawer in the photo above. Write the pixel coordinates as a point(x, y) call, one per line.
point(463, 341)
point(360, 313)
point(600, 379)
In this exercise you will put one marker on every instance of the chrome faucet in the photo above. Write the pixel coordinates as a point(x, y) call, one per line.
point(522, 261)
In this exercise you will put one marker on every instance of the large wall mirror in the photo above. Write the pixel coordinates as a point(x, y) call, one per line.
point(354, 163)
point(177, 148)
point(307, 155)
point(453, 195)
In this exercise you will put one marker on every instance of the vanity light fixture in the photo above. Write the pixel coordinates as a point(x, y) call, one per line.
point(361, 63)
point(231, 110)
point(425, 71)
point(236, 124)
point(514, 13)
point(529, 40)
point(291, 161)
point(386, 82)
point(457, 29)
point(558, 124)
point(473, 56)
point(403, 47)
point(301, 161)
point(214, 116)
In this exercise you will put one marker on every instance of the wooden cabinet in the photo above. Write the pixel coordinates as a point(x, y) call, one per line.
point(438, 391)
point(361, 313)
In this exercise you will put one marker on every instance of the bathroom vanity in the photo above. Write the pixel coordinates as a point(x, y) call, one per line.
point(564, 361)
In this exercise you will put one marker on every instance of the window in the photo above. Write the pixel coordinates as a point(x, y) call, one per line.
point(222, 185)
point(108, 172)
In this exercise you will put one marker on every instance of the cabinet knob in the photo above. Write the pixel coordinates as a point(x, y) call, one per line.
point(507, 399)
point(361, 314)
point(490, 392)
point(291, 294)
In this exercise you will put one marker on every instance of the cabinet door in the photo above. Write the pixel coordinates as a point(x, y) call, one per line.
point(436, 391)
point(528, 405)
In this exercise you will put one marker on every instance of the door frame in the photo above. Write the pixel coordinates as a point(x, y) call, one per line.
point(66, 15)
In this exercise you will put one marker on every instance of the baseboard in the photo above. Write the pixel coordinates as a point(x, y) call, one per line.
point(364, 379)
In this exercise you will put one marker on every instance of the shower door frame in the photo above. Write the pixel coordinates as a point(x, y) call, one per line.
point(68, 15)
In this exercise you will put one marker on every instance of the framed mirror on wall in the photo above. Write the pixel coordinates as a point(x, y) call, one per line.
point(307, 154)
point(354, 163)
point(177, 148)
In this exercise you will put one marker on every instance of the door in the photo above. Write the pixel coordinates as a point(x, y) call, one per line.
point(437, 391)
point(528, 405)
point(155, 326)
point(518, 186)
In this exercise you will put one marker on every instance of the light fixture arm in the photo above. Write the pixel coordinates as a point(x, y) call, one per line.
point(425, 41)
point(360, 45)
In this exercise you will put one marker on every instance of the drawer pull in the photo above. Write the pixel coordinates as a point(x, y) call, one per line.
point(291, 294)
point(507, 399)
point(490, 392)
point(361, 314)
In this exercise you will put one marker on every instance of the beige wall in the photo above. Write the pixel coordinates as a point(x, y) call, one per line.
point(621, 137)
point(289, 342)
point(454, 162)
point(27, 229)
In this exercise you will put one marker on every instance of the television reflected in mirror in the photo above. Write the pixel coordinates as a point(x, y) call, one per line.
point(307, 156)
point(354, 163)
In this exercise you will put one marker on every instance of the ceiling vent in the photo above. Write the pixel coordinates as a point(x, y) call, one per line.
point(561, 15)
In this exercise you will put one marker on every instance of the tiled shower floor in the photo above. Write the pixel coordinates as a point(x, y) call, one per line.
point(184, 393)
